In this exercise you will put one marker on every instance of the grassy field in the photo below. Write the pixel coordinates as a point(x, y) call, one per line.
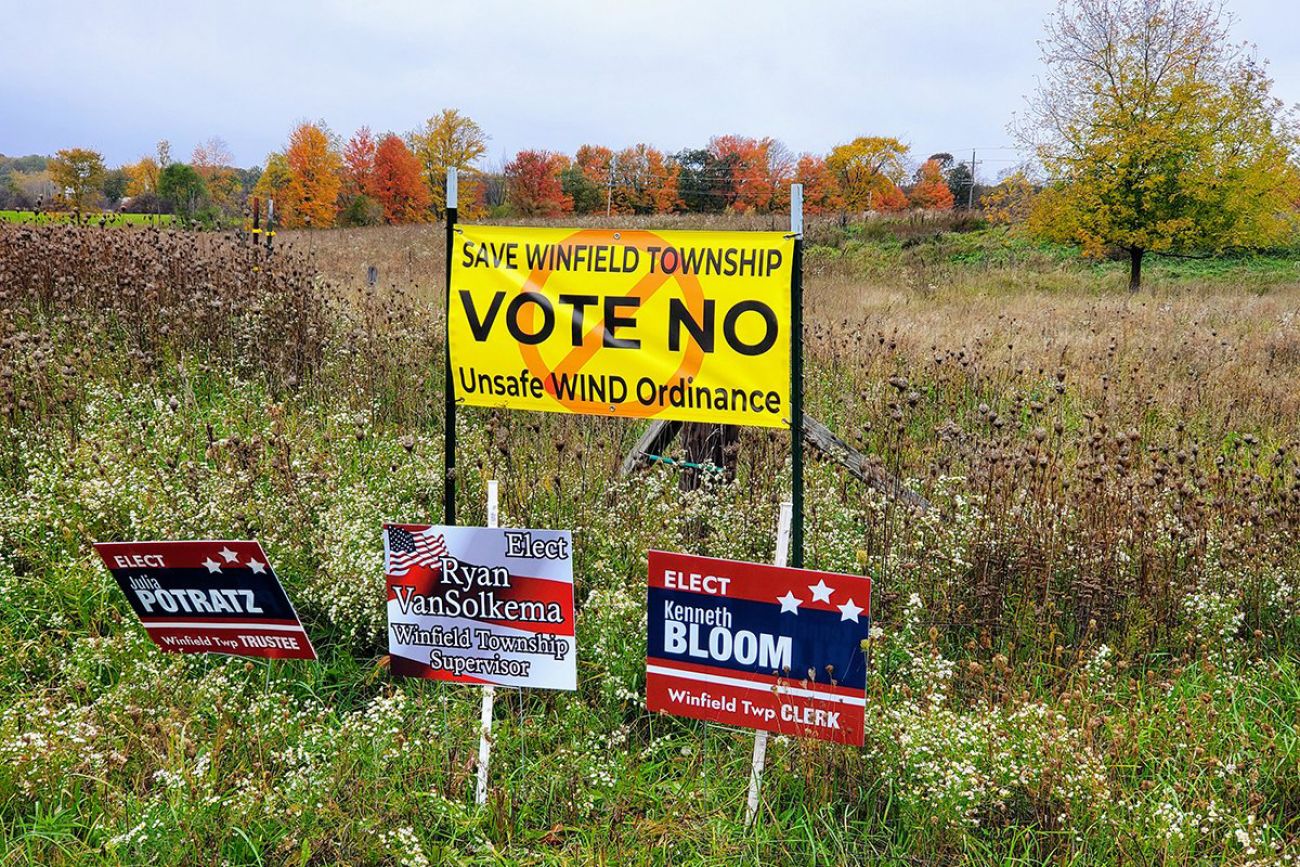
point(915, 255)
point(1090, 649)
point(88, 219)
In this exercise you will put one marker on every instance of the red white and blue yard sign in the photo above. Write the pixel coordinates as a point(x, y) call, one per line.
point(759, 646)
point(208, 597)
point(481, 605)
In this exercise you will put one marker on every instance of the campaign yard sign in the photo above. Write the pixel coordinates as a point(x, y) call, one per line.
point(481, 605)
point(692, 326)
point(208, 597)
point(765, 647)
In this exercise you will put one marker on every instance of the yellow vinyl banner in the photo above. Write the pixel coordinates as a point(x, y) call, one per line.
point(691, 326)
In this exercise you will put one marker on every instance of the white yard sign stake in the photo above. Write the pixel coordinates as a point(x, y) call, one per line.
point(760, 736)
point(489, 692)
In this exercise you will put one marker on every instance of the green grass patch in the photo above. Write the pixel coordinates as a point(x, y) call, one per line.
point(87, 219)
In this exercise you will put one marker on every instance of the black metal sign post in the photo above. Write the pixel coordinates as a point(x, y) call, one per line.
point(449, 392)
point(255, 238)
point(796, 378)
point(270, 226)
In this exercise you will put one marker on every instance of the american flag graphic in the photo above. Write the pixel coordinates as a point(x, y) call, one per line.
point(407, 549)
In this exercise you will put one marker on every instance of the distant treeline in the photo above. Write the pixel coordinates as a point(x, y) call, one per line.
point(319, 179)
point(208, 190)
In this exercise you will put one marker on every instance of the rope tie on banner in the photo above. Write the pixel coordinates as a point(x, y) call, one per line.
point(687, 464)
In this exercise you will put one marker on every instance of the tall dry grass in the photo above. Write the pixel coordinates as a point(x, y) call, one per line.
point(1112, 454)
point(1086, 651)
point(412, 256)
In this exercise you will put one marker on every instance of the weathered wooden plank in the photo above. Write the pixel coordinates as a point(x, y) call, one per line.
point(660, 435)
point(821, 437)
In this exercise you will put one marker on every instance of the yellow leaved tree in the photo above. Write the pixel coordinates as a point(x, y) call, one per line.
point(274, 185)
point(869, 170)
point(1011, 201)
point(450, 139)
point(1159, 135)
point(78, 172)
point(142, 176)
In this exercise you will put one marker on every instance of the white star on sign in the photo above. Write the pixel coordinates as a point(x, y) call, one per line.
point(257, 566)
point(788, 602)
point(228, 554)
point(820, 592)
point(849, 611)
point(213, 565)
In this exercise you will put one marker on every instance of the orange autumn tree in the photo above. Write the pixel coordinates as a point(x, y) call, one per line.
point(892, 199)
point(397, 182)
point(533, 186)
point(759, 172)
point(645, 182)
point(594, 160)
point(821, 192)
point(931, 189)
point(359, 163)
point(316, 166)
point(305, 179)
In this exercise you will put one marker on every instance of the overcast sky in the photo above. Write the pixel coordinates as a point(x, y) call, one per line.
point(943, 75)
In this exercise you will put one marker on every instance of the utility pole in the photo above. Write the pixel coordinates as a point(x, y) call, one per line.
point(970, 197)
point(609, 189)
